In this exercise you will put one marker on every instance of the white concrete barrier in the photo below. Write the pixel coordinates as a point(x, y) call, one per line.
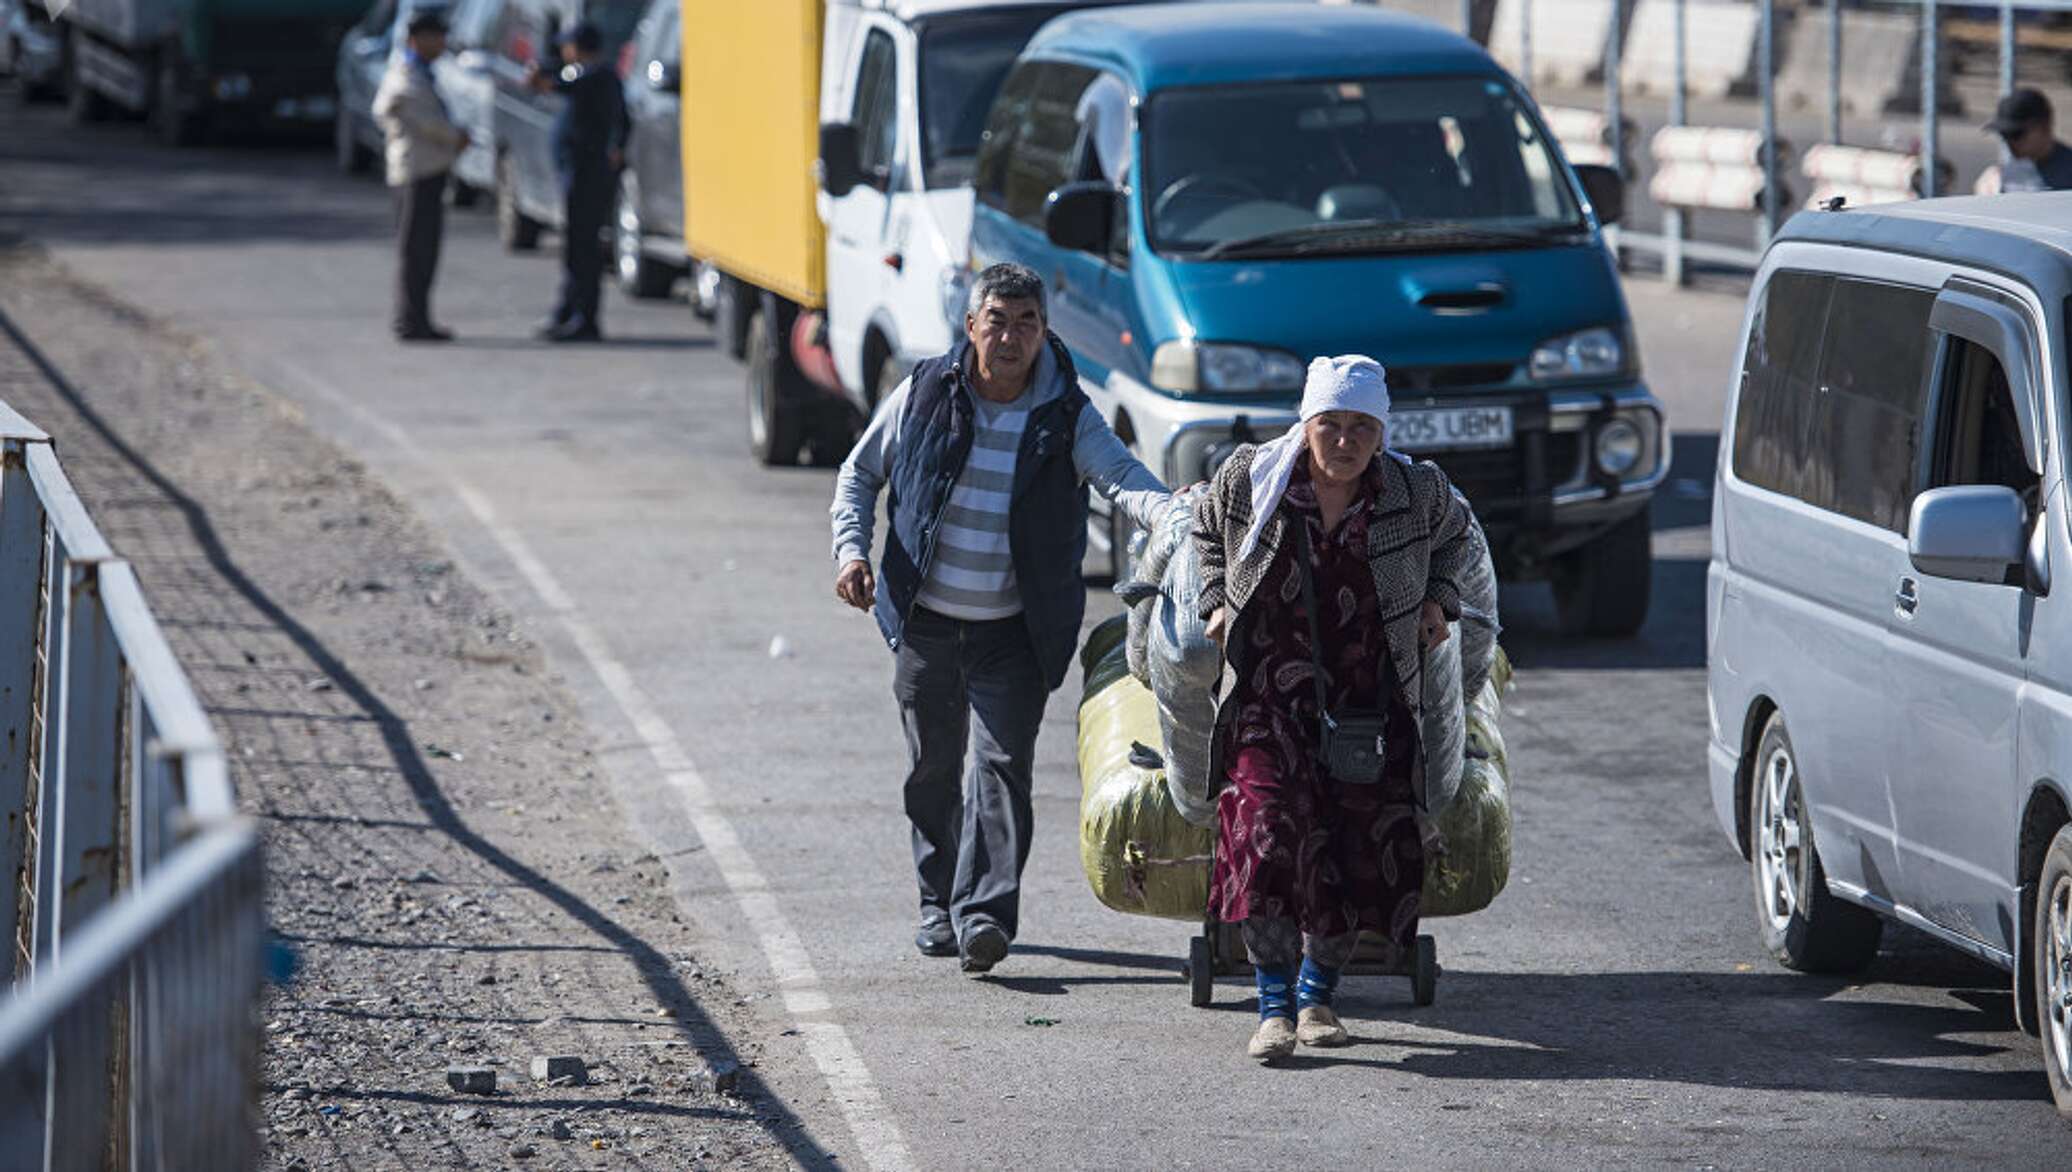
point(1568, 39)
point(1719, 48)
point(1585, 135)
point(1718, 167)
point(1881, 64)
point(1862, 176)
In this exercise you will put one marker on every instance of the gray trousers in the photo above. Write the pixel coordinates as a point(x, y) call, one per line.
point(971, 827)
point(420, 225)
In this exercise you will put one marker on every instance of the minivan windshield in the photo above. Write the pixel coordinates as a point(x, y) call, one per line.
point(1362, 166)
point(963, 61)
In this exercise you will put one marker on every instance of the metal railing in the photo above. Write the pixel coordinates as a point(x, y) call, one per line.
point(134, 915)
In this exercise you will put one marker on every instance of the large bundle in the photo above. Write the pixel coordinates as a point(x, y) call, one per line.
point(1456, 671)
point(1172, 654)
point(1142, 855)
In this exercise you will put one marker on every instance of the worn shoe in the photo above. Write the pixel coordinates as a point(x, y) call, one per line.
point(576, 332)
point(1274, 1041)
point(984, 947)
point(1318, 1025)
point(936, 937)
point(425, 334)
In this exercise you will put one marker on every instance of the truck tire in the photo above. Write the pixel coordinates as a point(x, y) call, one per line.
point(1806, 927)
point(776, 421)
point(1601, 590)
point(176, 127)
point(2051, 955)
point(831, 435)
point(352, 155)
point(518, 231)
point(640, 275)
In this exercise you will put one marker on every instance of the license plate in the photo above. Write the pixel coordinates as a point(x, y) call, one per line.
point(1450, 429)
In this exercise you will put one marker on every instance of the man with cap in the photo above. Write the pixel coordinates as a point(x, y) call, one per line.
point(589, 149)
point(2037, 160)
point(423, 142)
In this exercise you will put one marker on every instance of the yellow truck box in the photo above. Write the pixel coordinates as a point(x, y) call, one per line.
point(751, 140)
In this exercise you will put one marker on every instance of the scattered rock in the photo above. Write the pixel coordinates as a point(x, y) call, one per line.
point(296, 1094)
point(559, 1130)
point(344, 883)
point(524, 1152)
point(640, 1088)
point(473, 1080)
point(466, 1114)
point(555, 1068)
point(321, 685)
point(719, 1076)
point(486, 979)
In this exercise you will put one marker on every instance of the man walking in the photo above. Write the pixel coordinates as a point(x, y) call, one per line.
point(423, 142)
point(589, 148)
point(2037, 161)
point(987, 451)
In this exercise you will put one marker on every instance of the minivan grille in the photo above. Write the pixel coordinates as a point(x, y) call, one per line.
point(1447, 378)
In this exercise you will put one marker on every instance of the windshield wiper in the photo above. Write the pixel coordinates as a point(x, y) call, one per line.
point(1386, 236)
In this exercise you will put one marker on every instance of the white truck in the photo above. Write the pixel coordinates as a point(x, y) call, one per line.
point(839, 238)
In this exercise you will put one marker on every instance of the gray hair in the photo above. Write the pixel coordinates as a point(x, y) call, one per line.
point(1007, 282)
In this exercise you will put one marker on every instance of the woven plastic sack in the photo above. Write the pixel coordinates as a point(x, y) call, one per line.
point(1140, 855)
point(1477, 824)
point(1454, 671)
point(1171, 653)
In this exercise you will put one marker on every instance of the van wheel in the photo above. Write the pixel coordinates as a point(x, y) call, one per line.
point(1601, 590)
point(2052, 930)
point(518, 231)
point(832, 435)
point(352, 156)
point(776, 424)
point(890, 375)
point(1803, 925)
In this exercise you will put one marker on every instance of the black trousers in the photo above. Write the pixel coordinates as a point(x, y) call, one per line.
point(976, 687)
point(420, 226)
point(587, 209)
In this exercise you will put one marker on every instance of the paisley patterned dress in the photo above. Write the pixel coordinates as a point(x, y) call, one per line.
point(1293, 844)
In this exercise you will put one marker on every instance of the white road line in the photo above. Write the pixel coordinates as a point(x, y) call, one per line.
point(870, 1122)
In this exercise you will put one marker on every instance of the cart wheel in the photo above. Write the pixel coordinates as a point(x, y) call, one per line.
point(1424, 972)
point(1201, 972)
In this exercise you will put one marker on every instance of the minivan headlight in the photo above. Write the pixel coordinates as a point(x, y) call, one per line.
point(1185, 366)
point(1619, 447)
point(1579, 355)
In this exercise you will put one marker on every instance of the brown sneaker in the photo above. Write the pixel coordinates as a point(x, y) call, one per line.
point(1274, 1041)
point(1318, 1025)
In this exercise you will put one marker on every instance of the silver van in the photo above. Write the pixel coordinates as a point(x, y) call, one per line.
point(1890, 674)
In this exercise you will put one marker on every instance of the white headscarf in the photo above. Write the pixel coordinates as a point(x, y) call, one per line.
point(1349, 382)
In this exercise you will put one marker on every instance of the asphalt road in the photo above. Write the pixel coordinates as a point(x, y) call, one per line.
point(1612, 1008)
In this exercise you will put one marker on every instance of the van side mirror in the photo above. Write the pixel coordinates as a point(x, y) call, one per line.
point(1081, 216)
point(1969, 533)
point(841, 158)
point(1606, 191)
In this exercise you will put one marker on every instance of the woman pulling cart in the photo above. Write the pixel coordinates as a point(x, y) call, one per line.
point(1330, 565)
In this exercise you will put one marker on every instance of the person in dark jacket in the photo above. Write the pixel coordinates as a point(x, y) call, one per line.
point(589, 150)
point(987, 452)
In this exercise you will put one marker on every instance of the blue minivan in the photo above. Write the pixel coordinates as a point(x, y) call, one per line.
point(1218, 193)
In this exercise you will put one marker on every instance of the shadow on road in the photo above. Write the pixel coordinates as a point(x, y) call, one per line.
point(655, 969)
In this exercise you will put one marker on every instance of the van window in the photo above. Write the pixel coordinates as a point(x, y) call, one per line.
point(964, 57)
point(877, 106)
point(1044, 150)
point(1003, 132)
point(1777, 387)
point(1865, 428)
point(1978, 438)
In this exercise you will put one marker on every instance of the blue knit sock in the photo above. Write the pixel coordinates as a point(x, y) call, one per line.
point(1317, 984)
point(1276, 991)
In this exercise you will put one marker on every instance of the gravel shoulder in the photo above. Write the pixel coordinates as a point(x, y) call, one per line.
point(445, 857)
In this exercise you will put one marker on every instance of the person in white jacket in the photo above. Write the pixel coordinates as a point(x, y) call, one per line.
point(423, 142)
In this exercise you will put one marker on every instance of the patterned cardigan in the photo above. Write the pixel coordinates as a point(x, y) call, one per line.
point(1420, 542)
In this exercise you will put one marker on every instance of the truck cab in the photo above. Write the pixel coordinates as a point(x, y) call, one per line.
point(1217, 194)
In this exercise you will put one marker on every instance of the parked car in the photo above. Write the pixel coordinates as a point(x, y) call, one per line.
point(31, 50)
point(462, 78)
point(899, 89)
point(1218, 194)
point(528, 193)
point(1890, 671)
point(648, 247)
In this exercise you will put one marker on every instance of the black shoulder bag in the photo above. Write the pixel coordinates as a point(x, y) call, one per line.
point(1353, 745)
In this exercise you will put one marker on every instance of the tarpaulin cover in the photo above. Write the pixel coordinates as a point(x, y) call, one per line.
point(1141, 855)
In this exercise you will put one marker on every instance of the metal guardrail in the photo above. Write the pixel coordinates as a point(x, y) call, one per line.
point(133, 916)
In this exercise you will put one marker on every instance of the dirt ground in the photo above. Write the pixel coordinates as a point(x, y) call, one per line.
point(446, 866)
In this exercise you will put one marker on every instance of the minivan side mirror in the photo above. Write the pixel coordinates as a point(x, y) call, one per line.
point(1081, 216)
point(841, 158)
point(1606, 190)
point(1969, 533)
